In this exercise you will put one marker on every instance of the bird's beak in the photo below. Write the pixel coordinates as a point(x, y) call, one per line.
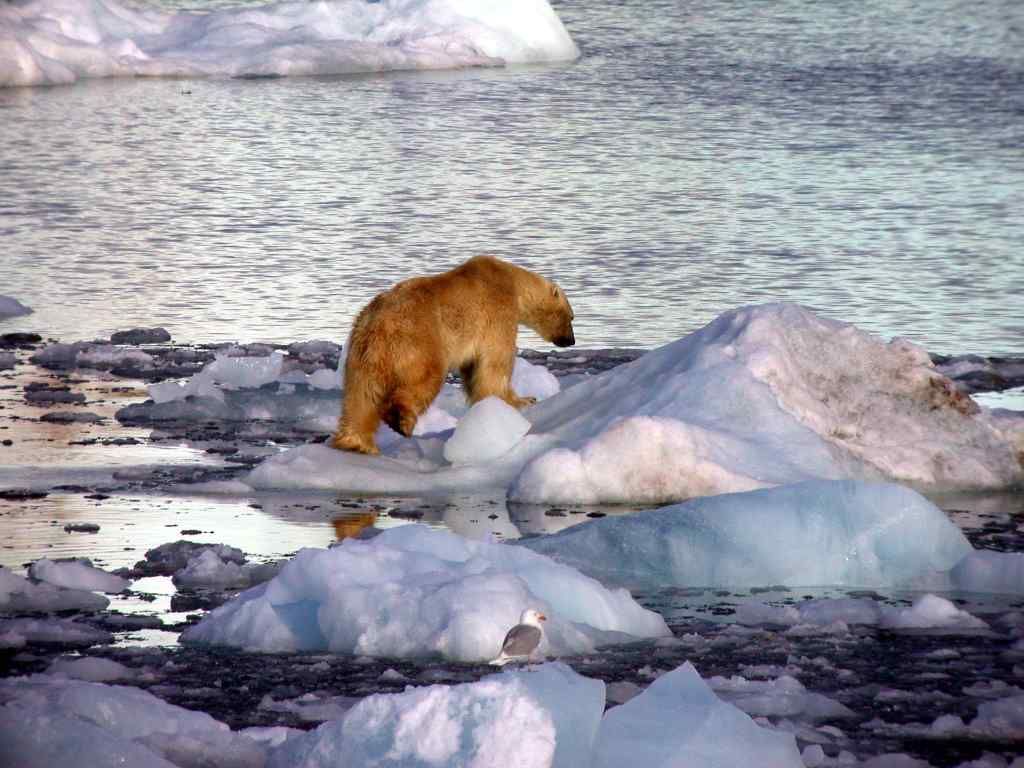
point(542, 617)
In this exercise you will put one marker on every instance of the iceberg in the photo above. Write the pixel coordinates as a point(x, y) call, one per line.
point(547, 716)
point(840, 533)
point(46, 42)
point(413, 591)
point(680, 715)
point(762, 396)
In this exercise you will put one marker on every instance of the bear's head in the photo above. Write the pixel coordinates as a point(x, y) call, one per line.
point(550, 315)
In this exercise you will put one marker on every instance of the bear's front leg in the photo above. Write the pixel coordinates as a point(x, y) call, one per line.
point(492, 377)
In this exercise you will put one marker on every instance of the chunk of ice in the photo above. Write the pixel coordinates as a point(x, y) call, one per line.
point(845, 533)
point(546, 716)
point(489, 429)
point(679, 715)
point(414, 591)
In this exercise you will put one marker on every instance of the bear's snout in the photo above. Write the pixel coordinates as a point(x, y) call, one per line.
point(565, 341)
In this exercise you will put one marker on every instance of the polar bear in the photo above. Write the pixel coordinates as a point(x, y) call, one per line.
point(406, 340)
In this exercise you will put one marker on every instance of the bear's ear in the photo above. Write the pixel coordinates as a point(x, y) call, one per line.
point(555, 291)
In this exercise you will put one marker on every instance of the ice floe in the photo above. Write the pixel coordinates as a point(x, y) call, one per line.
point(66, 632)
point(413, 591)
point(46, 42)
point(207, 570)
point(928, 611)
point(679, 714)
point(547, 716)
point(76, 574)
point(10, 306)
point(762, 396)
point(21, 595)
point(50, 720)
point(840, 532)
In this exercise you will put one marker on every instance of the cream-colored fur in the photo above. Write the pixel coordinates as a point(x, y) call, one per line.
point(406, 340)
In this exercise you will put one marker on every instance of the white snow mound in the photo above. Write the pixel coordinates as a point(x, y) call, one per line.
point(762, 396)
point(45, 42)
point(413, 591)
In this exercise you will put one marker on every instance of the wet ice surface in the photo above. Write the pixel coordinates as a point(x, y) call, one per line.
point(863, 689)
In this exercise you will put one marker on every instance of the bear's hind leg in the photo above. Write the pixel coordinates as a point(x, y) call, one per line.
point(412, 397)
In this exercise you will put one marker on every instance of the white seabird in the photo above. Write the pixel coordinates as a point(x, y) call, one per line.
point(522, 640)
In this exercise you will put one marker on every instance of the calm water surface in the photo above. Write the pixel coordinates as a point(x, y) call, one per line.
point(865, 159)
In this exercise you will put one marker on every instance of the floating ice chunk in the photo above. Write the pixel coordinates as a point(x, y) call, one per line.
point(105, 356)
point(547, 716)
point(90, 668)
point(930, 612)
point(86, 723)
point(55, 632)
point(846, 533)
point(10, 306)
point(678, 715)
point(489, 429)
point(87, 354)
point(224, 373)
point(762, 396)
point(76, 574)
point(414, 591)
point(783, 697)
point(19, 595)
point(770, 395)
point(207, 570)
point(60, 41)
point(173, 556)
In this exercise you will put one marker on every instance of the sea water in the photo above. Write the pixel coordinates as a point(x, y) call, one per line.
point(864, 159)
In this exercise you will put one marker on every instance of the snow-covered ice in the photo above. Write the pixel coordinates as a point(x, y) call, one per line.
point(679, 715)
point(207, 570)
point(10, 306)
point(842, 533)
point(54, 632)
point(489, 429)
point(548, 716)
point(60, 41)
point(413, 591)
point(50, 720)
point(21, 595)
point(784, 696)
point(762, 396)
point(76, 574)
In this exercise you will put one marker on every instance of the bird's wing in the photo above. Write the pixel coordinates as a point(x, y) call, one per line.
point(521, 640)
